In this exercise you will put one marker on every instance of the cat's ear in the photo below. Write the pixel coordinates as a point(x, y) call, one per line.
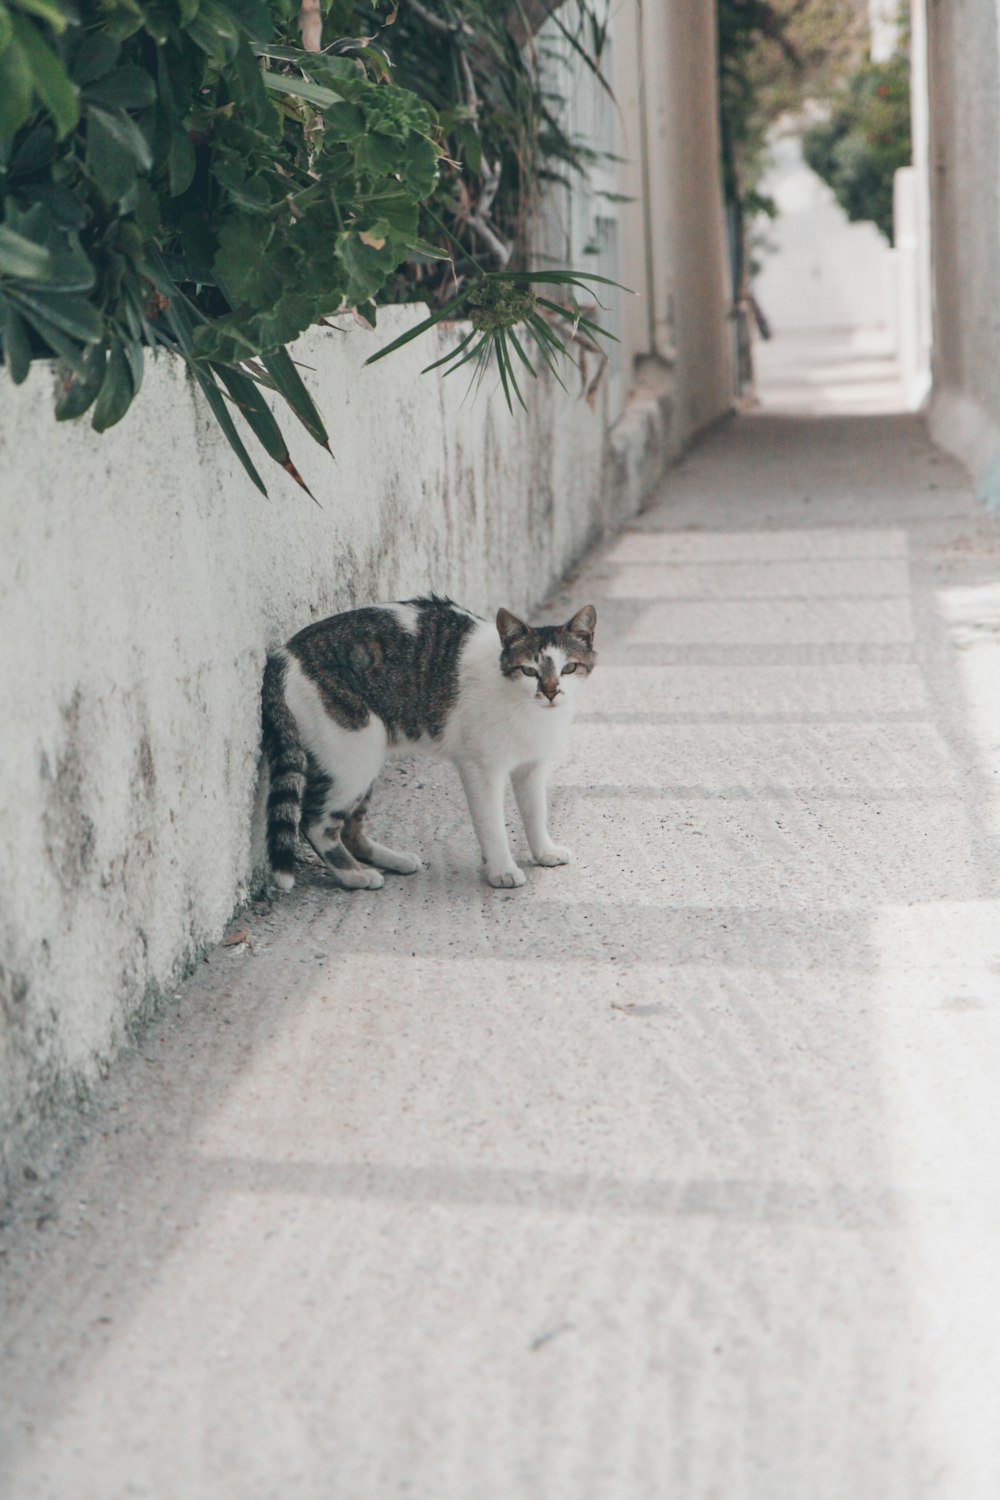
point(584, 623)
point(509, 627)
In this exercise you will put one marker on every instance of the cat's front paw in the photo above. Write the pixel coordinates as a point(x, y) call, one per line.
point(506, 878)
point(406, 864)
point(553, 856)
point(359, 879)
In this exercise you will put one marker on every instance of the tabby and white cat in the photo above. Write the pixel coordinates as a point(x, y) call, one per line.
point(347, 693)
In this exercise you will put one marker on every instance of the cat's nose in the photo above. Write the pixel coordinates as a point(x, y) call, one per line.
point(550, 689)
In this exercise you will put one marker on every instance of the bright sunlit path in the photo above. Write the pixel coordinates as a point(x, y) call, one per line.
point(829, 372)
point(828, 290)
point(673, 1173)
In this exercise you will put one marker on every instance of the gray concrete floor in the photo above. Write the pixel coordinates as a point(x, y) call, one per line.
point(674, 1174)
point(829, 372)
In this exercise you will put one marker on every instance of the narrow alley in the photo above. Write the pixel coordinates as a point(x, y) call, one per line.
point(672, 1174)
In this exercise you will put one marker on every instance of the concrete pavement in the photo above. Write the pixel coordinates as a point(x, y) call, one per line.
point(673, 1174)
point(822, 372)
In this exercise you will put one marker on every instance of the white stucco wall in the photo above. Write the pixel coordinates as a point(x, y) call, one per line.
point(963, 71)
point(678, 331)
point(142, 579)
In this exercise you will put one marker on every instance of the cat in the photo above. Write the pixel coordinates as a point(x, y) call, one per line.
point(425, 675)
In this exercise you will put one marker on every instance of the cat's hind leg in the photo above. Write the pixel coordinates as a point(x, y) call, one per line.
point(356, 840)
point(342, 764)
point(325, 835)
point(324, 819)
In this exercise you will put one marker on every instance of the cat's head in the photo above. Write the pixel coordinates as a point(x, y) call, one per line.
point(548, 662)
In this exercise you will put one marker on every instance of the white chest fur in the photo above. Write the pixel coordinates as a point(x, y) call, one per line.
point(500, 721)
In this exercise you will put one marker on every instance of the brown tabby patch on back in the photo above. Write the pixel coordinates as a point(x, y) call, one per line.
point(365, 662)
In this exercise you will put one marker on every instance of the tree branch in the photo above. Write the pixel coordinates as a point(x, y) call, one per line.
point(311, 25)
point(535, 13)
point(478, 220)
point(436, 23)
point(470, 85)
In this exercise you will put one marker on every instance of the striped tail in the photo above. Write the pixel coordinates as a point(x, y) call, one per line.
point(286, 758)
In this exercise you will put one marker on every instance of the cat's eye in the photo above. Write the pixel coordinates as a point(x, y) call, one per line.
point(570, 666)
point(530, 671)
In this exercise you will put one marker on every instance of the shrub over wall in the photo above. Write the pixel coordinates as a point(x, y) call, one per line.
point(184, 174)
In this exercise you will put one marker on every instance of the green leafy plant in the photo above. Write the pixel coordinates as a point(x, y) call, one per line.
point(182, 174)
point(194, 199)
point(498, 97)
point(866, 138)
point(497, 305)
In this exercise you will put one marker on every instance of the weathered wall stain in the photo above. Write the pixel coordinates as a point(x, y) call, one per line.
point(70, 834)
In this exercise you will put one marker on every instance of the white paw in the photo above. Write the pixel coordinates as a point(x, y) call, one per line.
point(359, 880)
point(553, 856)
point(390, 859)
point(406, 864)
point(282, 880)
point(506, 878)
